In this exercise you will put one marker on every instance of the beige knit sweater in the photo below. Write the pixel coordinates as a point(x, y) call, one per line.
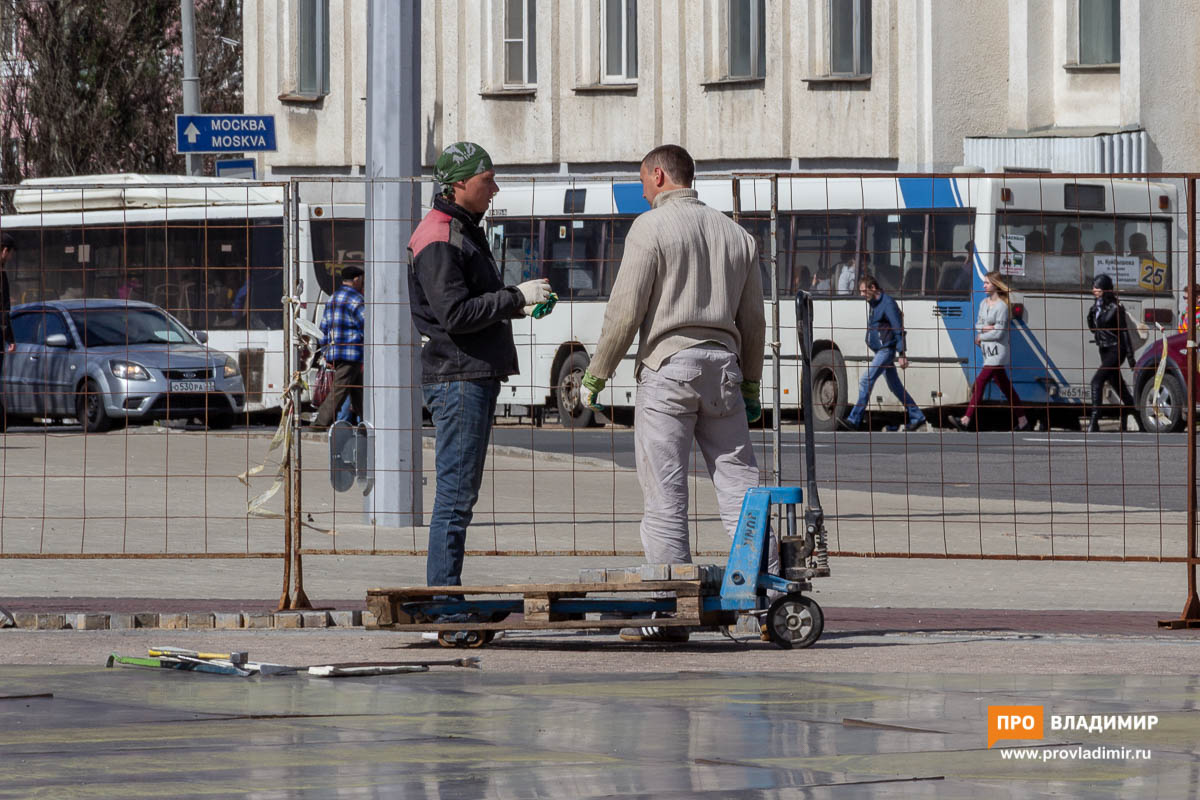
point(689, 275)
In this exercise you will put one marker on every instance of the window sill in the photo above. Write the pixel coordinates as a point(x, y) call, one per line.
point(1100, 68)
point(301, 97)
point(515, 92)
point(734, 83)
point(606, 88)
point(827, 80)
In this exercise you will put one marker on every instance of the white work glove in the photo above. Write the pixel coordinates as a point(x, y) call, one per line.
point(534, 292)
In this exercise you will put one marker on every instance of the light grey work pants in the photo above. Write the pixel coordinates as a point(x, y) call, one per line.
point(694, 396)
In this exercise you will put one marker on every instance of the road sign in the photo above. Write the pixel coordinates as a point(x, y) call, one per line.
point(235, 168)
point(224, 133)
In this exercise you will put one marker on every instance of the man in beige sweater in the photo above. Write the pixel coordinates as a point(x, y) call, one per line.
point(689, 285)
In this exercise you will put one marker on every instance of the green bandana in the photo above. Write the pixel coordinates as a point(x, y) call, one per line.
point(460, 161)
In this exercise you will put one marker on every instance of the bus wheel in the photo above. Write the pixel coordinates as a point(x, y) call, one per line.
point(572, 413)
point(829, 389)
point(1163, 411)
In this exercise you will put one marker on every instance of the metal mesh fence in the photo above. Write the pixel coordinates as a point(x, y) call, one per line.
point(214, 452)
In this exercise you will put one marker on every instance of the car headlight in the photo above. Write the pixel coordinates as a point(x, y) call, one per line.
point(129, 371)
point(231, 368)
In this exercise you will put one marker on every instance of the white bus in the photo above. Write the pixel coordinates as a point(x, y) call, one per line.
point(209, 251)
point(928, 240)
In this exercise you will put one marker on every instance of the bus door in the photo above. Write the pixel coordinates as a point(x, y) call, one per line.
point(514, 244)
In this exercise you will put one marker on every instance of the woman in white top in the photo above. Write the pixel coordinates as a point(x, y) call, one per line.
point(992, 335)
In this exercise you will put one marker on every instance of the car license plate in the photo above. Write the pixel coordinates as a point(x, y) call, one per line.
point(193, 386)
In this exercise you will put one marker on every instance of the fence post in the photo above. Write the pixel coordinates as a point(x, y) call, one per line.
point(776, 339)
point(1190, 616)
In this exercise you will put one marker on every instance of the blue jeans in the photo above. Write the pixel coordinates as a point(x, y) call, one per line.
point(346, 412)
point(462, 414)
point(884, 363)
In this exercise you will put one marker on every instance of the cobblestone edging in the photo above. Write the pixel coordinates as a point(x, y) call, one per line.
point(92, 621)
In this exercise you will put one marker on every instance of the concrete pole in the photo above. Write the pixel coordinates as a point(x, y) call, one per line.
point(191, 83)
point(393, 373)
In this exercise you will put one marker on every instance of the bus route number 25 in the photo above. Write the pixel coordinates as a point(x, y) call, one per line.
point(1153, 275)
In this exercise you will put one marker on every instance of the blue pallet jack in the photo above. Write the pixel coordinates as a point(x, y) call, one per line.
point(470, 616)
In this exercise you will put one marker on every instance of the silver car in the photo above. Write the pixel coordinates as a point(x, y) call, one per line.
point(100, 361)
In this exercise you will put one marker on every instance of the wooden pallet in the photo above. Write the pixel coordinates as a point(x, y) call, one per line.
point(540, 609)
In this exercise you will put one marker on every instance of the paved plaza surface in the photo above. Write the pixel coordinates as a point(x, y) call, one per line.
point(87, 732)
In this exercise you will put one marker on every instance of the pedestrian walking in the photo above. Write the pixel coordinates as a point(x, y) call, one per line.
point(343, 325)
point(1110, 330)
point(461, 305)
point(689, 284)
point(7, 343)
point(992, 336)
point(885, 339)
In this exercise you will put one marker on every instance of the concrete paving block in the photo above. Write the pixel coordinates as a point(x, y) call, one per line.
point(369, 619)
point(173, 621)
point(656, 572)
point(227, 620)
point(623, 575)
point(51, 622)
point(315, 619)
point(685, 572)
point(592, 575)
point(118, 621)
point(258, 619)
point(25, 619)
point(202, 620)
point(146, 619)
point(346, 619)
point(91, 622)
point(288, 619)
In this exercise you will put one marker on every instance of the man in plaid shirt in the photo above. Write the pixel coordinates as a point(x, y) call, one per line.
point(343, 327)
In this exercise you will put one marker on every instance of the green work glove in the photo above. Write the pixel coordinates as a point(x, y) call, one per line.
point(591, 386)
point(753, 406)
point(542, 309)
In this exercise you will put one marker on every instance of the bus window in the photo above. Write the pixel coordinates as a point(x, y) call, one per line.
point(1064, 252)
point(951, 257)
point(823, 249)
point(573, 258)
point(618, 230)
point(890, 240)
point(336, 243)
point(514, 246)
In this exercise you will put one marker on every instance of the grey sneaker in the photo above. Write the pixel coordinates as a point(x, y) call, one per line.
point(656, 634)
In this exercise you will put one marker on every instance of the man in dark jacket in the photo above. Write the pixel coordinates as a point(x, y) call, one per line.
point(885, 338)
point(462, 306)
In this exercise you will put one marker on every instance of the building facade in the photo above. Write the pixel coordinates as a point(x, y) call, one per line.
point(588, 86)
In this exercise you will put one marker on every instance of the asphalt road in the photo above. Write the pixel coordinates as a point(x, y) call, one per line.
point(1142, 470)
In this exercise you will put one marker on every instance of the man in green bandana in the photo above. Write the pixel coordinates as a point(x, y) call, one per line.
point(460, 303)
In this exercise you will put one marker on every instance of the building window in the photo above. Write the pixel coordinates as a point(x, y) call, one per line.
point(312, 50)
point(8, 30)
point(849, 37)
point(619, 46)
point(1099, 31)
point(747, 38)
point(520, 42)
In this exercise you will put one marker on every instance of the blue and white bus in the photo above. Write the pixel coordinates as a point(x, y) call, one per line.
point(928, 240)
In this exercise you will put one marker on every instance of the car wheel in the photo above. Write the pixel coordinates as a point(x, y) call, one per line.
point(572, 413)
point(828, 390)
point(89, 408)
point(1163, 411)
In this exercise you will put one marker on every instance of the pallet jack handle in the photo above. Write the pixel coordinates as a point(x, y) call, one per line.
point(813, 541)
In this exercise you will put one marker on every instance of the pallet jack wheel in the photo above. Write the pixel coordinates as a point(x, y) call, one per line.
point(465, 638)
point(794, 621)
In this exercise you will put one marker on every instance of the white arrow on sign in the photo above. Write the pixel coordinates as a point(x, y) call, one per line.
point(191, 132)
